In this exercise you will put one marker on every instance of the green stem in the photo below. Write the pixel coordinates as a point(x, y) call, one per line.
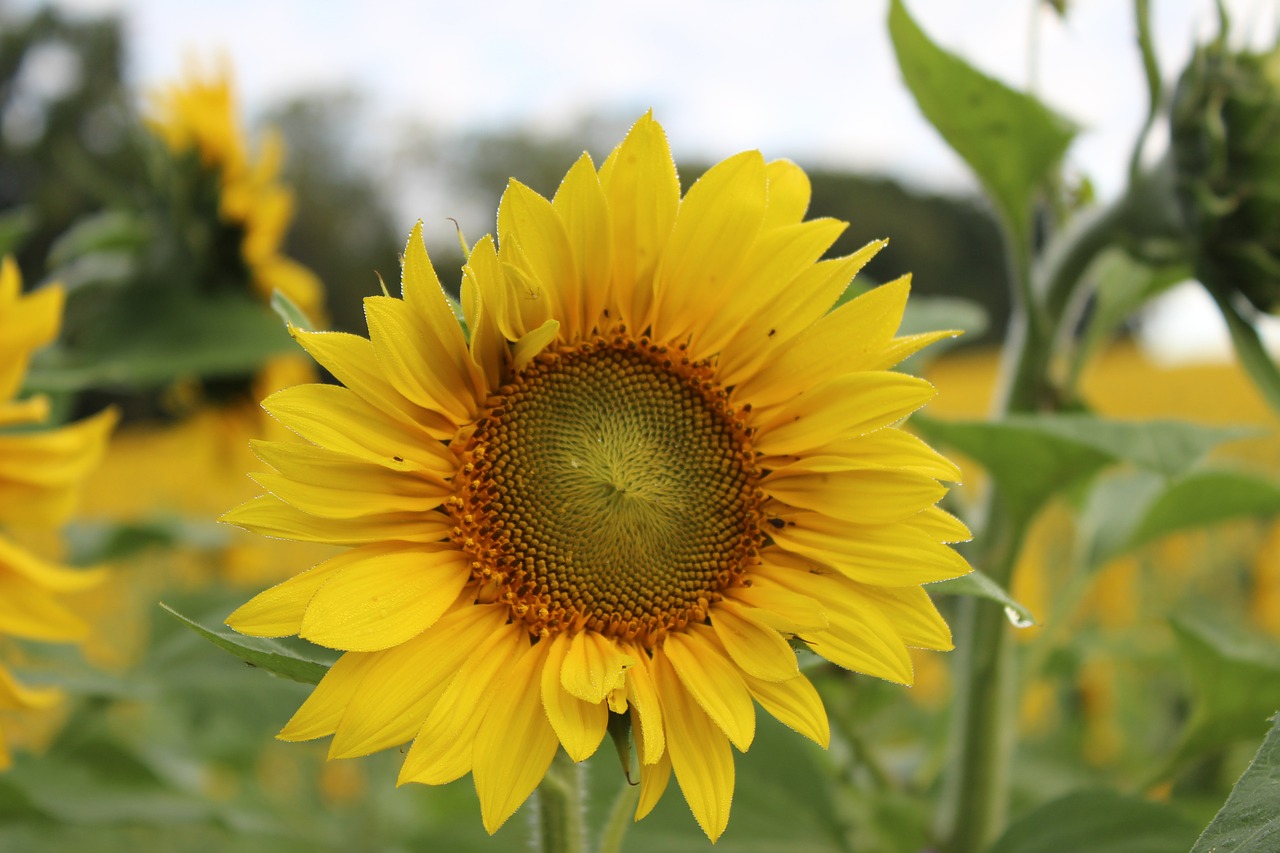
point(620, 818)
point(977, 787)
point(559, 813)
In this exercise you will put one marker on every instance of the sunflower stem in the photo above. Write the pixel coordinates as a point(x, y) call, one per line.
point(976, 791)
point(559, 816)
point(619, 820)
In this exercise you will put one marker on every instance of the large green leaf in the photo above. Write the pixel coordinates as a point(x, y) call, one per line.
point(152, 336)
point(1097, 821)
point(1033, 457)
point(258, 652)
point(1236, 681)
point(1250, 819)
point(1009, 139)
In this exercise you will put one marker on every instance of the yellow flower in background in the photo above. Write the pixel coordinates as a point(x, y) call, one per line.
point(199, 115)
point(658, 460)
point(40, 474)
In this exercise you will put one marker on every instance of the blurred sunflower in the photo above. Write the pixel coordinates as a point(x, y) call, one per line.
point(659, 460)
point(199, 116)
point(40, 474)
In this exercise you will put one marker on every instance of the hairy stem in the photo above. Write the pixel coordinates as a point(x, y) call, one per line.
point(559, 815)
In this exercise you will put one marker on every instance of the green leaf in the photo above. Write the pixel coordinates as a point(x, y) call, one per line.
point(1236, 682)
point(1009, 139)
point(1204, 498)
point(288, 311)
point(90, 542)
point(1099, 821)
point(1033, 457)
point(980, 585)
point(1250, 819)
point(1124, 285)
point(1253, 355)
point(105, 231)
point(931, 313)
point(258, 652)
point(150, 337)
point(16, 224)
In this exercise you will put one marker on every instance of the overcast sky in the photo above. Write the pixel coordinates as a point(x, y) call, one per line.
point(812, 80)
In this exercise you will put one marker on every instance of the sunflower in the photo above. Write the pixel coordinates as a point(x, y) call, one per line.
point(199, 116)
point(657, 463)
point(40, 473)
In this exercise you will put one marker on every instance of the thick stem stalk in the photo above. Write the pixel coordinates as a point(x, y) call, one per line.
point(559, 816)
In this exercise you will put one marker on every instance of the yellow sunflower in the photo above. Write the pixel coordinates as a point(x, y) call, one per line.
point(657, 462)
point(199, 115)
point(40, 474)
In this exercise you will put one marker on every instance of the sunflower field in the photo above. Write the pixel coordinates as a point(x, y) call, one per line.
point(666, 515)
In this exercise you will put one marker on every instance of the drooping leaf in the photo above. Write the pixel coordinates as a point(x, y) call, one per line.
point(1099, 821)
point(151, 337)
point(1009, 139)
point(1205, 497)
point(258, 652)
point(289, 311)
point(15, 224)
point(1236, 682)
point(1250, 819)
point(978, 584)
point(1033, 457)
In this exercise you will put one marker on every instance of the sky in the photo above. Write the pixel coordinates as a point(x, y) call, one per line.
point(811, 80)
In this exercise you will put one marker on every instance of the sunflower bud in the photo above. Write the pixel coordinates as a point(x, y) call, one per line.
point(1225, 125)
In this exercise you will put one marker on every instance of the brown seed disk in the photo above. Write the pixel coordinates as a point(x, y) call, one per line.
point(609, 486)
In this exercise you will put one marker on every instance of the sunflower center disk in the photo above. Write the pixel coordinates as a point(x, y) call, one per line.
point(609, 486)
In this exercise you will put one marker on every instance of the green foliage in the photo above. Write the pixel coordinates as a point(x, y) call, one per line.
point(260, 653)
point(1009, 139)
point(1250, 821)
point(1236, 680)
point(1098, 821)
point(978, 584)
point(1035, 457)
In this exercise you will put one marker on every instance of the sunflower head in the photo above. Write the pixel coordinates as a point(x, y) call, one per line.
point(656, 461)
point(40, 475)
point(1225, 125)
point(199, 116)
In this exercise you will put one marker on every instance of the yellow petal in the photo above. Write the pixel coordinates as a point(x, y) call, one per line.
point(646, 710)
point(717, 222)
point(515, 743)
point(351, 360)
point(867, 496)
point(531, 221)
point(332, 485)
point(711, 677)
point(776, 259)
point(320, 714)
point(894, 555)
point(779, 607)
point(849, 338)
point(533, 343)
point(654, 775)
point(699, 750)
point(584, 210)
point(487, 344)
point(336, 418)
point(30, 611)
point(405, 681)
point(639, 180)
point(774, 324)
point(278, 611)
point(593, 666)
point(757, 649)
point(15, 696)
point(384, 595)
point(844, 407)
point(271, 516)
point(888, 448)
point(579, 725)
point(42, 573)
point(420, 366)
point(789, 192)
point(433, 316)
point(444, 747)
point(794, 703)
point(913, 614)
point(860, 637)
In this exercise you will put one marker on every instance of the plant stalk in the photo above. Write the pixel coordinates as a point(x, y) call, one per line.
point(559, 815)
